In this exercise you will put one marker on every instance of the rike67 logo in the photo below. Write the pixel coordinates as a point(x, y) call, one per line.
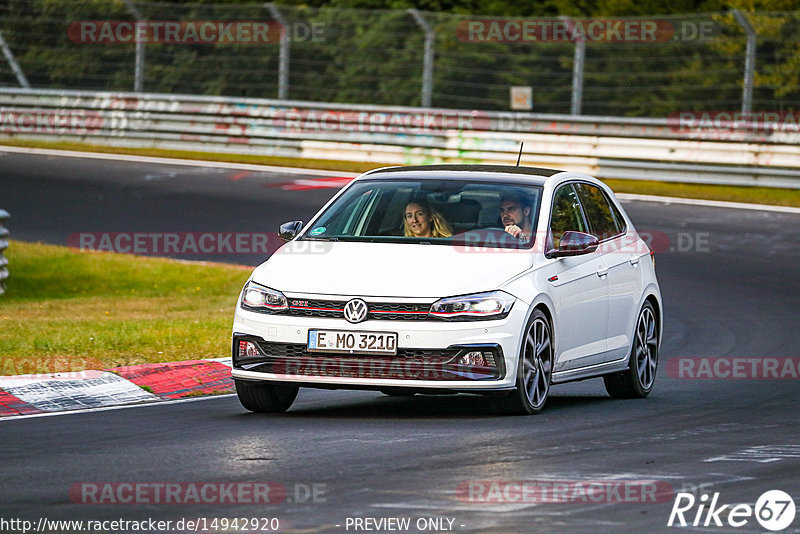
point(774, 510)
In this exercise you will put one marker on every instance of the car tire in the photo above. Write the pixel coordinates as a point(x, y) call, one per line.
point(534, 371)
point(636, 382)
point(265, 398)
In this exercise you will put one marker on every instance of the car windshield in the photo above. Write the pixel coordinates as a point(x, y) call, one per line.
point(439, 212)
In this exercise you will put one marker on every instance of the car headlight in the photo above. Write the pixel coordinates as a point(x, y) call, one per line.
point(480, 306)
point(258, 298)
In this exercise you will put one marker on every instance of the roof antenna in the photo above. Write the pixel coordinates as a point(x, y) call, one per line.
point(520, 152)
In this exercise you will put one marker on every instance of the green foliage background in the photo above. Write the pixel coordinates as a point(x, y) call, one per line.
point(372, 51)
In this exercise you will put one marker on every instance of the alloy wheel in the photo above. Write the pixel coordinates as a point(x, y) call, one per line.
point(646, 351)
point(537, 363)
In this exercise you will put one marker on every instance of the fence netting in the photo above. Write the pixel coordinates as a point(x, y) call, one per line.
point(641, 67)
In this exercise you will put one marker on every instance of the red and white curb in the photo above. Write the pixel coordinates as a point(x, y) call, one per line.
point(150, 382)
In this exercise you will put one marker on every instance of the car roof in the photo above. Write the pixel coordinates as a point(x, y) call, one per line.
point(459, 171)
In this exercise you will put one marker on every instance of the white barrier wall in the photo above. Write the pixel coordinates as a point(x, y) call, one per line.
point(691, 150)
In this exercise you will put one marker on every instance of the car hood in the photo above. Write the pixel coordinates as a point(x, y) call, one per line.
point(388, 269)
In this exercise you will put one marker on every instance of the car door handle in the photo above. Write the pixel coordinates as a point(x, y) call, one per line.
point(602, 271)
point(634, 260)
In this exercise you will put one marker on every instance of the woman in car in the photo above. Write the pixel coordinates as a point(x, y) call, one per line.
point(421, 220)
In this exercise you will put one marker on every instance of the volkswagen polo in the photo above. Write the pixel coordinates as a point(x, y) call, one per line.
point(485, 279)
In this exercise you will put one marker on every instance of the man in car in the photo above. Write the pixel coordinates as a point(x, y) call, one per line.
point(515, 212)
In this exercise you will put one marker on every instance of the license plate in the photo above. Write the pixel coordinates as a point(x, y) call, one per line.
point(351, 342)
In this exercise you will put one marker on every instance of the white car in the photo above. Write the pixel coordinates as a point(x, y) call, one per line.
point(486, 279)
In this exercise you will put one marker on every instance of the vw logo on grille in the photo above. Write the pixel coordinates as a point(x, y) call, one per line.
point(355, 311)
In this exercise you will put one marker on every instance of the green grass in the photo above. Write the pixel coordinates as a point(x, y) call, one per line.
point(66, 310)
point(753, 195)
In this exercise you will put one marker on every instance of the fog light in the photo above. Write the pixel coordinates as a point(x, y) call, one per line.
point(248, 350)
point(473, 358)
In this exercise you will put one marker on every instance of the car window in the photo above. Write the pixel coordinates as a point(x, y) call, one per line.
point(346, 222)
point(456, 212)
point(621, 224)
point(566, 214)
point(598, 210)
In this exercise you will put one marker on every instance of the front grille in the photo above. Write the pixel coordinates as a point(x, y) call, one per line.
point(386, 311)
point(400, 307)
point(282, 350)
point(316, 308)
point(407, 364)
point(298, 350)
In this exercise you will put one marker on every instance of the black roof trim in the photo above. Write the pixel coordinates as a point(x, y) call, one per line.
point(509, 169)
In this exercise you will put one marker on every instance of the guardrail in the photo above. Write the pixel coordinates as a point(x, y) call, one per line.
point(656, 149)
point(4, 233)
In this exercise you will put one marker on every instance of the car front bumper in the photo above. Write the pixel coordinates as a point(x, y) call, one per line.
point(428, 357)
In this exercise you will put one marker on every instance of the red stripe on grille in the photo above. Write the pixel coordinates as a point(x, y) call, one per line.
point(401, 312)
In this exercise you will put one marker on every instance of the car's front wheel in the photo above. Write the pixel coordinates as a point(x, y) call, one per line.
point(269, 398)
point(637, 380)
point(534, 371)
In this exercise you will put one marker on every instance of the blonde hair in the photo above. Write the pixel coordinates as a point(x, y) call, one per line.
point(439, 227)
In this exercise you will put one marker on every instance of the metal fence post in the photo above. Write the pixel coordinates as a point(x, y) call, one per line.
point(283, 54)
point(749, 61)
point(12, 62)
point(577, 77)
point(138, 81)
point(427, 66)
point(3, 246)
point(579, 58)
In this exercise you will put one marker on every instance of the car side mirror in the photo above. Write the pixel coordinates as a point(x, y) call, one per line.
point(289, 230)
point(573, 244)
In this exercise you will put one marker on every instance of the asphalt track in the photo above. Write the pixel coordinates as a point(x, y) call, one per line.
point(730, 284)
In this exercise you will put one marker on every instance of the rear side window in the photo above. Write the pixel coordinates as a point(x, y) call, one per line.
point(566, 214)
point(604, 220)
